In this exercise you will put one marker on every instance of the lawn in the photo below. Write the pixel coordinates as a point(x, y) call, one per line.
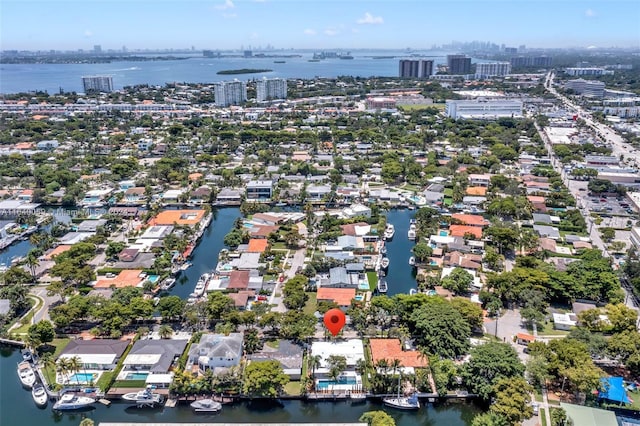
point(129, 383)
point(292, 388)
point(548, 330)
point(279, 246)
point(25, 321)
point(372, 277)
point(275, 344)
point(311, 306)
point(50, 373)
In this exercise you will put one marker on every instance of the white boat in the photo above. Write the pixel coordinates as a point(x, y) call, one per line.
point(389, 231)
point(413, 291)
point(402, 402)
point(26, 374)
point(167, 284)
point(412, 260)
point(26, 354)
point(382, 286)
point(357, 398)
point(71, 401)
point(185, 266)
point(384, 263)
point(39, 395)
point(201, 285)
point(411, 233)
point(383, 250)
point(143, 397)
point(206, 406)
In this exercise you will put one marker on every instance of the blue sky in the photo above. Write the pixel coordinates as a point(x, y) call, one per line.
point(229, 24)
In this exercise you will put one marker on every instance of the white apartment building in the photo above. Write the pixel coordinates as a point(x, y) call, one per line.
point(97, 83)
point(483, 109)
point(492, 69)
point(271, 88)
point(578, 71)
point(230, 93)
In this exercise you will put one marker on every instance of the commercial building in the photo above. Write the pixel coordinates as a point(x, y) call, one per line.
point(459, 64)
point(97, 83)
point(381, 103)
point(483, 109)
point(492, 69)
point(587, 88)
point(409, 68)
point(230, 93)
point(271, 88)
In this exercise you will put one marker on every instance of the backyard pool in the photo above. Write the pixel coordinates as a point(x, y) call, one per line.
point(359, 297)
point(84, 378)
point(153, 278)
point(136, 376)
point(444, 233)
point(342, 383)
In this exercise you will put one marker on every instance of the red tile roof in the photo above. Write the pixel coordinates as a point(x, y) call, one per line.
point(391, 349)
point(461, 230)
point(238, 280)
point(470, 219)
point(342, 296)
point(257, 245)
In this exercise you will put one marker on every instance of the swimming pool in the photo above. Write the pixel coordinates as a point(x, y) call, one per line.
point(359, 297)
point(324, 384)
point(82, 378)
point(136, 376)
point(153, 278)
point(444, 233)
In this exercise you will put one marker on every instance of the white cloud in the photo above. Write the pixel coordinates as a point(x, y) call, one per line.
point(331, 31)
point(310, 31)
point(589, 13)
point(228, 4)
point(369, 19)
point(88, 33)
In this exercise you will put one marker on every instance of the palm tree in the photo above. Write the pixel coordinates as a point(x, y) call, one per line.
point(87, 422)
point(165, 331)
point(395, 365)
point(62, 367)
point(75, 364)
point(48, 362)
point(314, 362)
point(32, 262)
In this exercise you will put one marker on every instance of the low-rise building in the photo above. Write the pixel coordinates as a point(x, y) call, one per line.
point(216, 351)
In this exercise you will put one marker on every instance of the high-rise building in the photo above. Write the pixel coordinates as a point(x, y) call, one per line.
point(97, 83)
point(459, 64)
point(587, 88)
point(230, 93)
point(492, 69)
point(409, 68)
point(271, 88)
point(531, 61)
point(97, 48)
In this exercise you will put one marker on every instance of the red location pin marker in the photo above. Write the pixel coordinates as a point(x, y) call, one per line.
point(334, 320)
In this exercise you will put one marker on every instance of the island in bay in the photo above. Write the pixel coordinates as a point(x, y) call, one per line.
point(243, 71)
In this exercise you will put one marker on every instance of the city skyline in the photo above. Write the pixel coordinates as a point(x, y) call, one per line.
point(308, 24)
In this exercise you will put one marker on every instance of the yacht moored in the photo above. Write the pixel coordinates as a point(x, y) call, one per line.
point(384, 263)
point(412, 261)
point(39, 395)
point(144, 397)
point(26, 374)
point(382, 285)
point(71, 401)
point(206, 406)
point(411, 233)
point(389, 231)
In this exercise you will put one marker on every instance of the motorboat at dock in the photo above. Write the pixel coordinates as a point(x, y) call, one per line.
point(206, 406)
point(71, 401)
point(39, 395)
point(26, 374)
point(143, 398)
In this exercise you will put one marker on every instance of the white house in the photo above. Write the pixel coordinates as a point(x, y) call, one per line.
point(564, 321)
point(217, 351)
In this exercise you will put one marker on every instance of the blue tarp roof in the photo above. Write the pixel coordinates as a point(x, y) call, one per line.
point(613, 390)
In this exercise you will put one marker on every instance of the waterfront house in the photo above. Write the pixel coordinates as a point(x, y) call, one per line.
point(229, 196)
point(352, 350)
point(154, 355)
point(200, 195)
point(216, 351)
point(318, 192)
point(178, 217)
point(91, 225)
point(96, 354)
point(392, 349)
point(288, 354)
point(259, 190)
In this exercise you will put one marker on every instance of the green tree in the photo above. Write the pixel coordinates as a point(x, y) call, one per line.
point(441, 330)
point(458, 281)
point(171, 307)
point(513, 399)
point(472, 312)
point(218, 304)
point(422, 251)
point(41, 332)
point(165, 331)
point(559, 417)
point(489, 419)
point(489, 363)
point(377, 418)
point(264, 379)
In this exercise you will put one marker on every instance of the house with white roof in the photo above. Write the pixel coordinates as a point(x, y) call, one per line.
point(216, 351)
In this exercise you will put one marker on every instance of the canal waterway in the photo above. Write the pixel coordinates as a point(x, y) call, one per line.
point(401, 277)
point(205, 255)
point(17, 408)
